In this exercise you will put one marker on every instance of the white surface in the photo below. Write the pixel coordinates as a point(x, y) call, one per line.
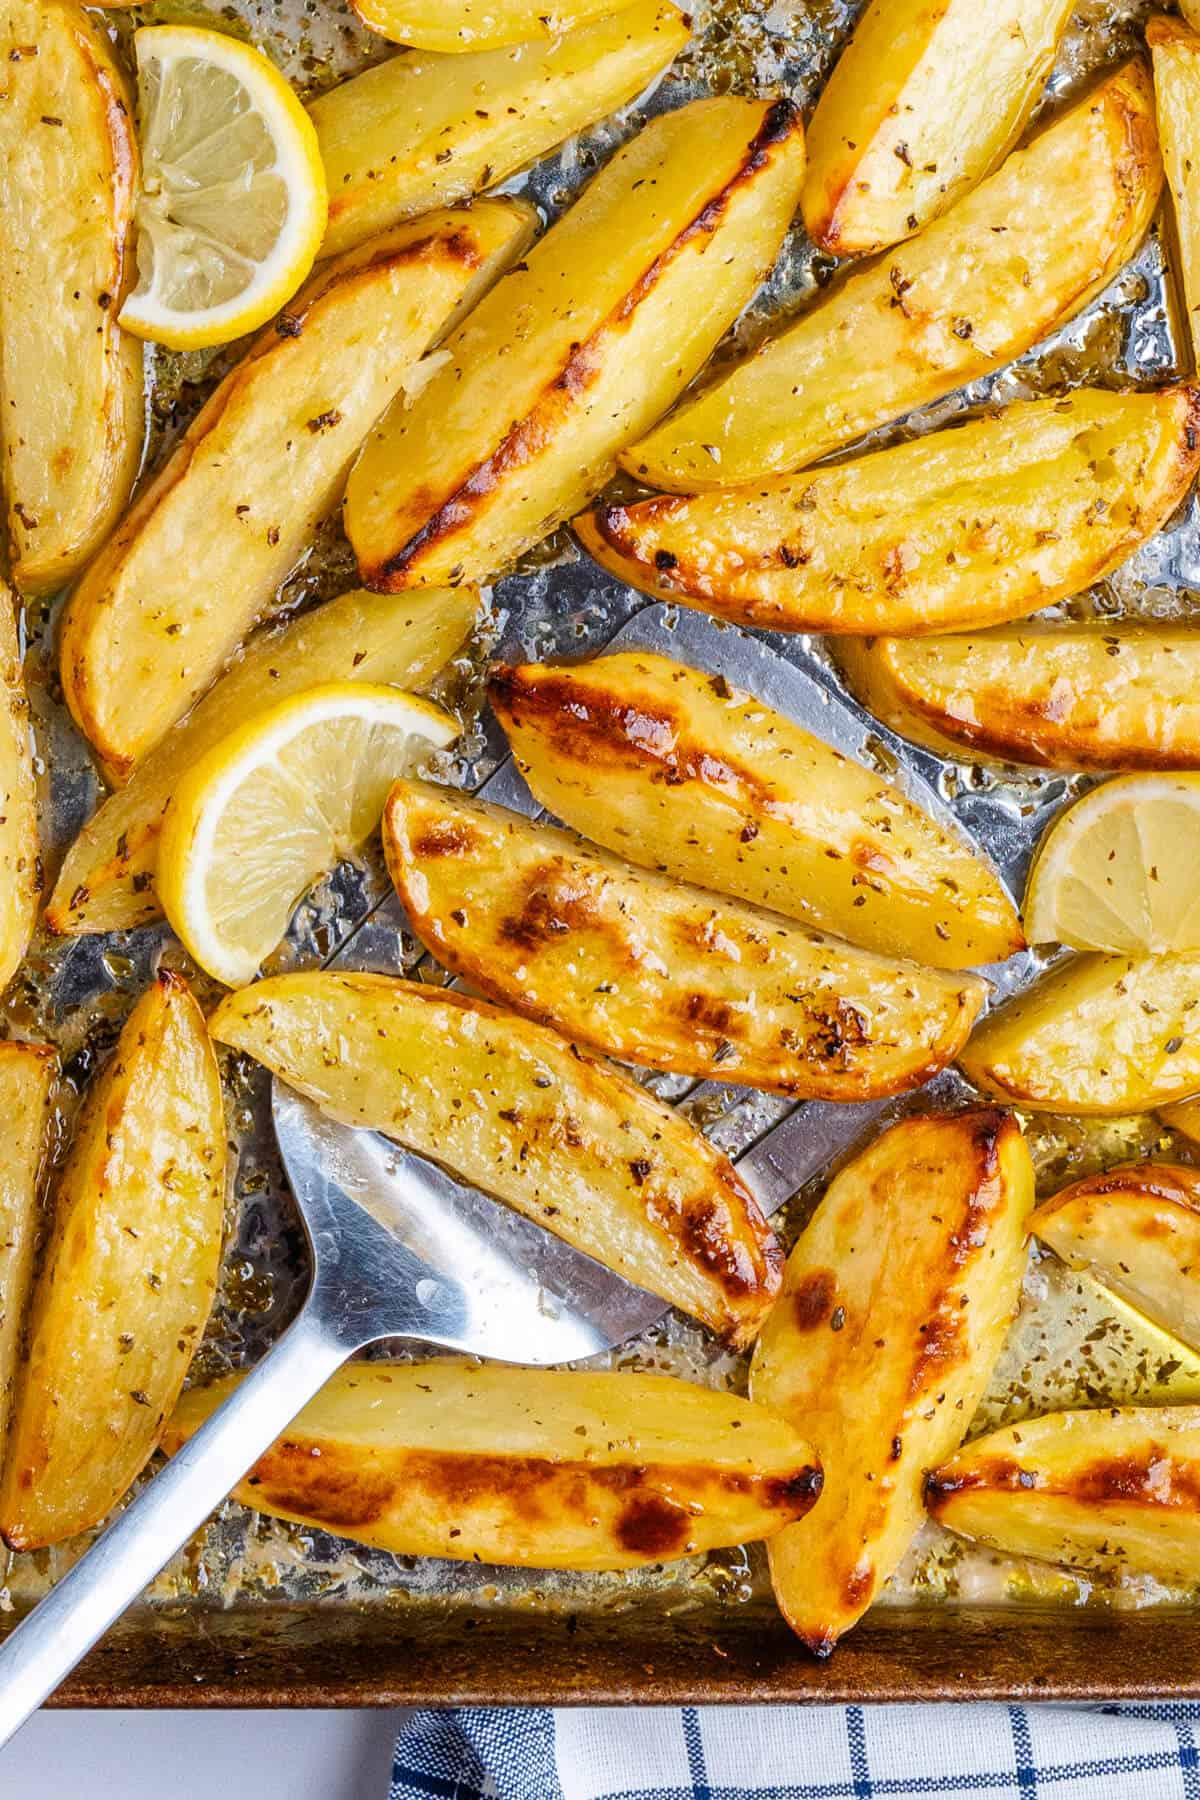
point(201, 1756)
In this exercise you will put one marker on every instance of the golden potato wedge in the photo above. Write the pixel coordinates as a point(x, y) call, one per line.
point(535, 1467)
point(466, 25)
point(516, 1110)
point(1104, 696)
point(1137, 1231)
point(71, 400)
point(1175, 52)
point(27, 1076)
point(1009, 262)
point(924, 101)
point(985, 522)
point(1098, 1034)
point(425, 130)
point(1182, 1116)
point(1117, 1487)
point(128, 1279)
point(674, 769)
point(580, 348)
point(149, 627)
point(107, 878)
point(895, 1304)
point(20, 860)
point(656, 972)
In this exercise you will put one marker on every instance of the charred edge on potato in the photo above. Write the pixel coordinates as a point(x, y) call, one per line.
point(451, 512)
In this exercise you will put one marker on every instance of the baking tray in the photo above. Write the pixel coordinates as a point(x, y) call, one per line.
point(256, 1612)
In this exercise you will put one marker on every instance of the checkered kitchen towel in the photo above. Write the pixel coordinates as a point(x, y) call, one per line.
point(802, 1753)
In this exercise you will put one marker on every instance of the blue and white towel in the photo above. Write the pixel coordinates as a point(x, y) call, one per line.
point(802, 1753)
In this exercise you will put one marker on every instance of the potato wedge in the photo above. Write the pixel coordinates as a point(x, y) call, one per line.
point(129, 1275)
point(656, 972)
point(1015, 258)
point(1108, 696)
point(1098, 1034)
point(579, 349)
point(1175, 53)
point(70, 379)
point(265, 459)
point(672, 768)
point(1117, 1487)
point(922, 104)
point(27, 1076)
point(534, 1467)
point(107, 878)
point(895, 1304)
point(985, 522)
point(20, 859)
point(426, 130)
point(517, 1111)
point(1137, 1231)
point(466, 25)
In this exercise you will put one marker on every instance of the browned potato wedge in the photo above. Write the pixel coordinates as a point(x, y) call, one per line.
point(516, 1110)
point(671, 767)
point(1176, 56)
point(128, 1278)
point(1110, 696)
point(1018, 256)
point(1098, 1034)
point(425, 130)
point(107, 878)
point(1137, 1231)
point(20, 861)
point(657, 972)
point(580, 348)
point(1116, 1487)
point(148, 629)
point(924, 101)
point(475, 24)
point(894, 1307)
point(70, 379)
point(984, 522)
point(27, 1075)
point(535, 1467)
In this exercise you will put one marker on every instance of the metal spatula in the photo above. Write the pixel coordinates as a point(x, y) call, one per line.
point(399, 1250)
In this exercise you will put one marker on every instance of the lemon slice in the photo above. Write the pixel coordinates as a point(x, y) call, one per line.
point(274, 806)
point(232, 204)
point(1117, 871)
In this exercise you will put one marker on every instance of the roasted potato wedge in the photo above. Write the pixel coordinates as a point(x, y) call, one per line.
point(1137, 1231)
point(516, 1110)
point(128, 1279)
point(107, 878)
point(1105, 696)
point(671, 767)
point(27, 1075)
point(70, 379)
point(466, 25)
point(1175, 52)
point(923, 103)
point(1018, 256)
point(654, 971)
point(1098, 1034)
point(580, 348)
point(1115, 1487)
point(263, 461)
point(535, 1467)
point(425, 130)
point(895, 1304)
point(20, 861)
point(981, 523)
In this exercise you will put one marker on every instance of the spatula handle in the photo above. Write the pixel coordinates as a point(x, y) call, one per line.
point(110, 1576)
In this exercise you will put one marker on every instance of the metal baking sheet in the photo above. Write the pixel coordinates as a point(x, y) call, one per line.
point(252, 1599)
